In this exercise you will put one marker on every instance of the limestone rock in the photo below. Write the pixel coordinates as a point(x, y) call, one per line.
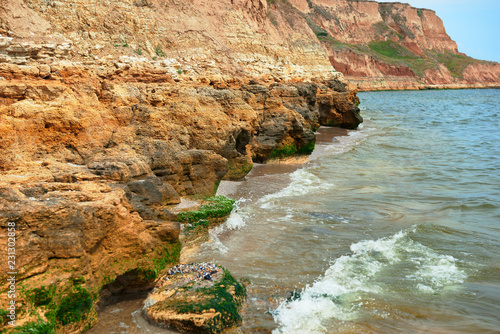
point(335, 109)
point(104, 122)
point(198, 297)
point(89, 160)
point(153, 191)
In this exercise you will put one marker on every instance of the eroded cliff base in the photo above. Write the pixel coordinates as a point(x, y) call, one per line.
point(91, 157)
point(109, 113)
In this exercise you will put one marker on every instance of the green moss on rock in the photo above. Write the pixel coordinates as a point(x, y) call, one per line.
point(291, 150)
point(217, 207)
point(74, 307)
point(307, 149)
point(169, 255)
point(222, 300)
point(40, 327)
point(69, 306)
point(284, 151)
point(237, 170)
point(61, 305)
point(41, 296)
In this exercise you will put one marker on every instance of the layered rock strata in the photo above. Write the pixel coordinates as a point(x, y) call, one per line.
point(91, 156)
point(224, 37)
point(393, 46)
point(377, 45)
point(111, 111)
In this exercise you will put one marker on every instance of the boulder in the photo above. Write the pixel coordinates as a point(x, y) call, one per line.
point(335, 109)
point(198, 298)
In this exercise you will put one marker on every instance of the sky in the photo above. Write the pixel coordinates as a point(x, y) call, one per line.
point(473, 24)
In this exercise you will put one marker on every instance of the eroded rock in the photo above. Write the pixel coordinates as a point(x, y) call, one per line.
point(335, 109)
point(198, 297)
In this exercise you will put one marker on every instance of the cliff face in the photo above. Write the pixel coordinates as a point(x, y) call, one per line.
point(112, 110)
point(360, 22)
point(392, 46)
point(196, 37)
point(281, 40)
point(91, 157)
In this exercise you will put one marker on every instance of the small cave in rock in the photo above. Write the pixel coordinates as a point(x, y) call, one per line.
point(242, 140)
point(129, 286)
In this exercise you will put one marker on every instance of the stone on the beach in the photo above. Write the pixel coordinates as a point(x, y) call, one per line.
point(199, 297)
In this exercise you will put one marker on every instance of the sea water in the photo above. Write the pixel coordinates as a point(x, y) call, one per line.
point(392, 228)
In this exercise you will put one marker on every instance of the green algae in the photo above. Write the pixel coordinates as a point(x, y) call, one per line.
point(217, 207)
point(291, 150)
point(224, 297)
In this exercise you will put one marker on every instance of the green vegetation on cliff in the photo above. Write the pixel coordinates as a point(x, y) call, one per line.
point(61, 306)
point(217, 207)
point(395, 54)
point(391, 50)
point(69, 304)
point(456, 63)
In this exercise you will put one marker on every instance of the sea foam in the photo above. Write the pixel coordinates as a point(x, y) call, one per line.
point(234, 222)
point(339, 294)
point(302, 183)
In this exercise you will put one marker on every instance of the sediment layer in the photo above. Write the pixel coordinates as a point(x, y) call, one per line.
point(388, 45)
point(381, 46)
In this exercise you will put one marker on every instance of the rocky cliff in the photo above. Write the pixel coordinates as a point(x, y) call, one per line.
point(92, 156)
point(376, 45)
point(111, 111)
point(191, 38)
point(393, 46)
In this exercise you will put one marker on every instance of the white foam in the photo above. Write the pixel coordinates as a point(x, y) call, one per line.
point(302, 183)
point(234, 222)
point(343, 144)
point(438, 272)
point(336, 296)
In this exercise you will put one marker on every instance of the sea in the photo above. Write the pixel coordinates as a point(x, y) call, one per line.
point(391, 228)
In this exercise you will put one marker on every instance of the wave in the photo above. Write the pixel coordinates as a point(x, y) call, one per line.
point(235, 222)
point(338, 295)
point(302, 183)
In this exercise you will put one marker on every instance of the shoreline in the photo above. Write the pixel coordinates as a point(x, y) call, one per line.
point(249, 189)
point(324, 137)
point(124, 311)
point(120, 154)
point(364, 84)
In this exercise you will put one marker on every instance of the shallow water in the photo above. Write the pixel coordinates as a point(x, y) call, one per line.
point(393, 228)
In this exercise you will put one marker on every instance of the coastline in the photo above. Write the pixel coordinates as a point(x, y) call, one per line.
point(125, 312)
point(97, 150)
point(367, 84)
